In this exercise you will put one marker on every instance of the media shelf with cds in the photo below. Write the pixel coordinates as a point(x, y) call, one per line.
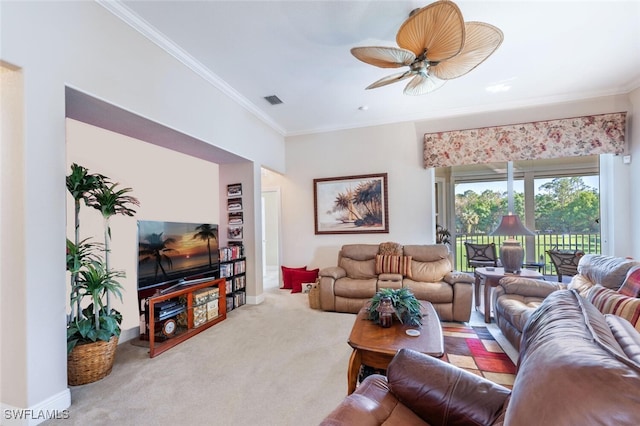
point(176, 314)
point(233, 269)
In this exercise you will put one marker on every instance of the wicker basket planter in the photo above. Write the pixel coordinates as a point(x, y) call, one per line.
point(91, 362)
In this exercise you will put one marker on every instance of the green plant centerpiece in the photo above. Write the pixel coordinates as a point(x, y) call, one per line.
point(405, 305)
point(92, 320)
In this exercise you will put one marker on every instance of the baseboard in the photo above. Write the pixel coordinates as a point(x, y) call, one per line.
point(130, 334)
point(55, 407)
point(255, 300)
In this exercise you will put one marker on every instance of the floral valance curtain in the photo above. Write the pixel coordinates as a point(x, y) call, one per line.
point(569, 137)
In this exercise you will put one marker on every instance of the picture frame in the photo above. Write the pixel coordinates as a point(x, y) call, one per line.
point(351, 204)
point(234, 190)
point(234, 232)
point(235, 218)
point(234, 204)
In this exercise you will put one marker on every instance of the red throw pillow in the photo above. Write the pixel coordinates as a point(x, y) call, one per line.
point(300, 277)
point(286, 275)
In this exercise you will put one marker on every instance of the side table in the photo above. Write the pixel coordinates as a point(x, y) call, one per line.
point(491, 278)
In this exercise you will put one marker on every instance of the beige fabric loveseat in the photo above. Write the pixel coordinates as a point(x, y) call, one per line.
point(426, 269)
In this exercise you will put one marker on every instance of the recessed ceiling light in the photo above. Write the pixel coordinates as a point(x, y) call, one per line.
point(500, 86)
point(363, 107)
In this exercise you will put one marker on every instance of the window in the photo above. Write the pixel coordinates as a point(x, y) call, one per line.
point(558, 199)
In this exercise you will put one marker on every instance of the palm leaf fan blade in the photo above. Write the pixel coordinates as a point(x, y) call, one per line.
point(384, 57)
point(393, 78)
point(422, 84)
point(437, 29)
point(481, 41)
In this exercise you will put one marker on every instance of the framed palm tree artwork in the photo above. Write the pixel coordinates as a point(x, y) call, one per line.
point(351, 204)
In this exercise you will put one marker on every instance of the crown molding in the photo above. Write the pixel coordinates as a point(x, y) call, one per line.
point(143, 27)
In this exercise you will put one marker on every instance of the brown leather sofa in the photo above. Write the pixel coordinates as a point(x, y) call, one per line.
point(515, 298)
point(348, 286)
point(576, 367)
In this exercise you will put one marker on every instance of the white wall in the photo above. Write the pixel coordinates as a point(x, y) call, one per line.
point(170, 186)
point(81, 45)
point(392, 149)
point(633, 232)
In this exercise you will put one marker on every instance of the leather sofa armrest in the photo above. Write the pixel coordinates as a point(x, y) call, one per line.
point(334, 272)
point(458, 277)
point(441, 393)
point(530, 287)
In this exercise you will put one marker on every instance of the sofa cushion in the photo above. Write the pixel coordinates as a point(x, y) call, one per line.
point(427, 253)
point(390, 264)
point(430, 271)
point(359, 251)
point(608, 271)
point(359, 269)
point(443, 394)
point(355, 288)
point(626, 336)
point(435, 292)
point(631, 285)
point(611, 302)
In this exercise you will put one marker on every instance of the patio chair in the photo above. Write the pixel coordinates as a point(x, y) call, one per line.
point(565, 262)
point(481, 255)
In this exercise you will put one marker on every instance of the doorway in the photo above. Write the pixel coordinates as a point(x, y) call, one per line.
point(271, 237)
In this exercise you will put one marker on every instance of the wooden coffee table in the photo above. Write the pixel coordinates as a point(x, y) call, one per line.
point(375, 346)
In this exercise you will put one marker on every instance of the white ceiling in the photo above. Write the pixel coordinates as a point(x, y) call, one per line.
point(553, 51)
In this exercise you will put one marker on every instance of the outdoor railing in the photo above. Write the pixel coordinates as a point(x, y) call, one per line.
point(588, 243)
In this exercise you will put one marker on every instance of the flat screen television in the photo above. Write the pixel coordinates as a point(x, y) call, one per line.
point(171, 252)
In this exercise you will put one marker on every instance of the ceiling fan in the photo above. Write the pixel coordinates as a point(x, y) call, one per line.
point(436, 44)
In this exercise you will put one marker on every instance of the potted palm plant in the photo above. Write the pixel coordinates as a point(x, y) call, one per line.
point(93, 327)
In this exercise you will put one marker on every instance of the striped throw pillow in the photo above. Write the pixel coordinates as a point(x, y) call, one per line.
point(390, 264)
point(631, 285)
point(611, 302)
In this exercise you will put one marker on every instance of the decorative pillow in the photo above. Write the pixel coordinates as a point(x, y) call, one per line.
point(394, 249)
point(631, 285)
point(300, 277)
point(388, 264)
point(286, 275)
point(611, 302)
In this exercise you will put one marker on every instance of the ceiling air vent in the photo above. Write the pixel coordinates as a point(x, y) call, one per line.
point(273, 100)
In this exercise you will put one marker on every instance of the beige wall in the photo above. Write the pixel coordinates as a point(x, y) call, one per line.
point(397, 150)
point(170, 186)
point(392, 149)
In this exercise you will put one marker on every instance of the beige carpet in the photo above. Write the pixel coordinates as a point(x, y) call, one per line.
point(277, 363)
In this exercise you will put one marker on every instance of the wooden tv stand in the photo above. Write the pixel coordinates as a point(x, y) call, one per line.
point(187, 291)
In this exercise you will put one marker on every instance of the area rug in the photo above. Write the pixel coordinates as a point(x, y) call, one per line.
point(475, 349)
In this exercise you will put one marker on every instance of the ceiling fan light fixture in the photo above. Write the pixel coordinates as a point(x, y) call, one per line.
point(436, 44)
